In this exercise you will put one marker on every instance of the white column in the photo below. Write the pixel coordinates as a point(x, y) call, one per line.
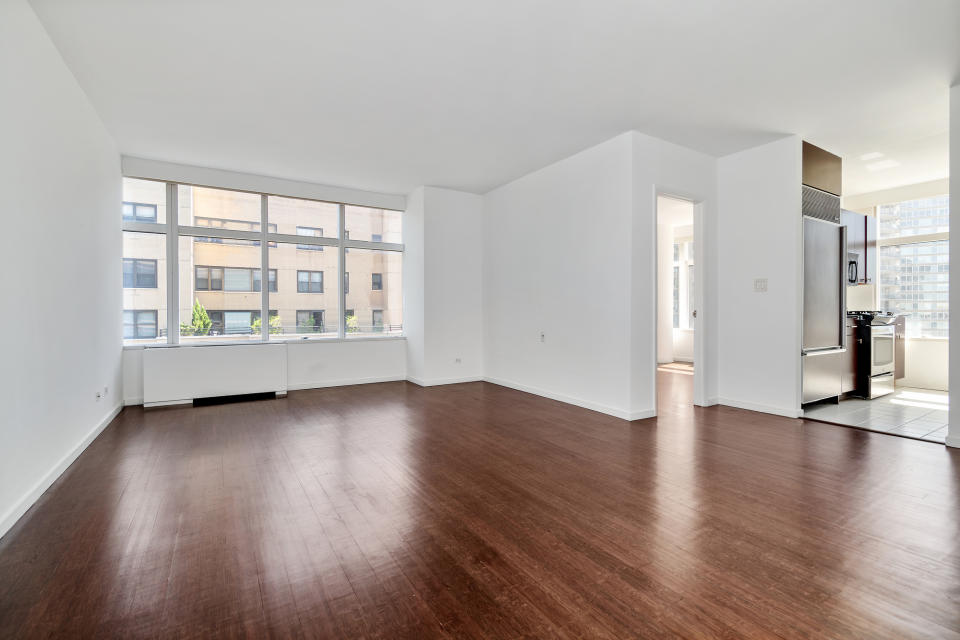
point(953, 433)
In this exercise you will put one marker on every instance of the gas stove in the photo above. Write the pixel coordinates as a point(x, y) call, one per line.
point(874, 317)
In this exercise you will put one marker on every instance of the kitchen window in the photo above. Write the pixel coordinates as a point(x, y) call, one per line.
point(914, 264)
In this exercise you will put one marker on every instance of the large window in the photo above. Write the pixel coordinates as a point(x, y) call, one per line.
point(683, 299)
point(224, 241)
point(915, 262)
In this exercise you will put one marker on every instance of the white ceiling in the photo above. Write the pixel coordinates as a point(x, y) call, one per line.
point(674, 212)
point(392, 95)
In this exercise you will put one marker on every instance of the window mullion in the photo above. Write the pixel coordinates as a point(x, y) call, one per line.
point(264, 272)
point(342, 263)
point(173, 266)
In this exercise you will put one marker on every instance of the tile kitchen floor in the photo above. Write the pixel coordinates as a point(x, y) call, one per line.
point(915, 413)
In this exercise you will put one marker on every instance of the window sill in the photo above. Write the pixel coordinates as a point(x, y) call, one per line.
point(234, 343)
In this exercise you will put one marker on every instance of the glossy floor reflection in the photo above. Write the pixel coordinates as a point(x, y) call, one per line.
point(914, 413)
point(393, 511)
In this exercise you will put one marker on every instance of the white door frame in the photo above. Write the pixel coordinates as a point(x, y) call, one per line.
point(700, 323)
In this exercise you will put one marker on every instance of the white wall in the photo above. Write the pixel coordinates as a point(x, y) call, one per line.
point(760, 235)
point(60, 198)
point(953, 439)
point(310, 364)
point(665, 168)
point(442, 286)
point(926, 364)
point(570, 251)
point(414, 256)
point(556, 260)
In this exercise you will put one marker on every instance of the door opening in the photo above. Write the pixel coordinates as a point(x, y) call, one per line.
point(676, 302)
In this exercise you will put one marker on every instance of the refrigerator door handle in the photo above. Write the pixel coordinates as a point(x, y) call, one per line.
point(843, 289)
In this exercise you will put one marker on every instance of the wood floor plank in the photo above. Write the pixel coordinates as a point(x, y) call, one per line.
point(477, 511)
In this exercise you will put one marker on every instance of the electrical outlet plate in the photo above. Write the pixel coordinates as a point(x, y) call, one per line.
point(760, 285)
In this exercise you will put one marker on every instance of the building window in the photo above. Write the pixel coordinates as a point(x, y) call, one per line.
point(139, 324)
point(139, 212)
point(310, 321)
point(231, 279)
point(309, 281)
point(310, 232)
point(222, 246)
point(914, 264)
point(139, 274)
point(231, 225)
point(377, 320)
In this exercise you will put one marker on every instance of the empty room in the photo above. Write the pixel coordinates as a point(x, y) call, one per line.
point(479, 320)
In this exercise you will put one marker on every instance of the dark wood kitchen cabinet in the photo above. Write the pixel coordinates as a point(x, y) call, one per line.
point(900, 348)
point(822, 170)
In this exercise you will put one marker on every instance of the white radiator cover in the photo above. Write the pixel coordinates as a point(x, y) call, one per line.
point(173, 375)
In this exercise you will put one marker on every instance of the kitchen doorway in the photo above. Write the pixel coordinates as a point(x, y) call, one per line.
point(676, 302)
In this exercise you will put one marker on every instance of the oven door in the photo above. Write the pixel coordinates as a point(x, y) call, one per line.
point(881, 349)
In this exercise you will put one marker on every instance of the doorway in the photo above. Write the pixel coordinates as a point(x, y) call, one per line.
point(676, 302)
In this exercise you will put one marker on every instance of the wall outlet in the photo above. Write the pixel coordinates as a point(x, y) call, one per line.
point(99, 395)
point(456, 360)
point(543, 337)
point(106, 391)
point(760, 285)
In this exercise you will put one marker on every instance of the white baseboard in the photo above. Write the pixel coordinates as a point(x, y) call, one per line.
point(711, 402)
point(953, 441)
point(16, 512)
point(131, 402)
point(344, 382)
point(642, 415)
point(586, 404)
point(420, 382)
point(761, 408)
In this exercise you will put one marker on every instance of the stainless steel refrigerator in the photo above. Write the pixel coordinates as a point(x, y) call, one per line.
point(824, 295)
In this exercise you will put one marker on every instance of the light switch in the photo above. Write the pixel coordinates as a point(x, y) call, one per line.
point(760, 285)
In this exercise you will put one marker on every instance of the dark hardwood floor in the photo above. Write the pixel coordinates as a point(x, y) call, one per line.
point(391, 511)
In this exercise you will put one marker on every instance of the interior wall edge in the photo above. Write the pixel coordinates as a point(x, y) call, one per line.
point(17, 511)
point(623, 414)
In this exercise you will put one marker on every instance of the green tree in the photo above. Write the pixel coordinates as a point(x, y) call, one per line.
point(200, 322)
point(353, 325)
point(275, 326)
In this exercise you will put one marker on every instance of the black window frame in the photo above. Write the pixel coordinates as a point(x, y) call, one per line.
point(376, 281)
point(310, 282)
point(373, 320)
point(135, 284)
point(136, 324)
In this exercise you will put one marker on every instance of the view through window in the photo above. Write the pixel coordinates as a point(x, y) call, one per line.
point(223, 249)
point(914, 264)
